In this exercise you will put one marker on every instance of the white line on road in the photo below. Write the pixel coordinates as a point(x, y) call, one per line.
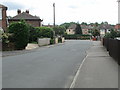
point(78, 71)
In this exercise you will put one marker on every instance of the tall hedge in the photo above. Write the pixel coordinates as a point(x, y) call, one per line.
point(20, 33)
point(44, 32)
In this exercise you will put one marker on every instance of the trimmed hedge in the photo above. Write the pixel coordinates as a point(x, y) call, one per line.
point(20, 32)
point(76, 36)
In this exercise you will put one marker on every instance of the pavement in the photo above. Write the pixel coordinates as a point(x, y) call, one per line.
point(31, 46)
point(98, 69)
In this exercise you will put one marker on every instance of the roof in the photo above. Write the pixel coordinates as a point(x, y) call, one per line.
point(73, 26)
point(105, 26)
point(25, 16)
point(117, 26)
point(2, 6)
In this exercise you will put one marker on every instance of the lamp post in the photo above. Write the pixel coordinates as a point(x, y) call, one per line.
point(118, 11)
point(54, 14)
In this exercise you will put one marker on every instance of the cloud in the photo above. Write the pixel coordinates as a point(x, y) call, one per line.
point(73, 7)
point(13, 5)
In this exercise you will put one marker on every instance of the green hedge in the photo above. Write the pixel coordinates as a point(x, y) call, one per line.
point(81, 37)
point(40, 32)
point(20, 32)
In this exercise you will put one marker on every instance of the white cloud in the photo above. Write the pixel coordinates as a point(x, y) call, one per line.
point(70, 10)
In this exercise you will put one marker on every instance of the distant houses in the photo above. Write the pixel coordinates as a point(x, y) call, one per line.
point(3, 17)
point(117, 27)
point(34, 21)
point(103, 28)
point(71, 29)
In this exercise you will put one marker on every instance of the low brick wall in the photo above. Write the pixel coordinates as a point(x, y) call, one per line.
point(43, 41)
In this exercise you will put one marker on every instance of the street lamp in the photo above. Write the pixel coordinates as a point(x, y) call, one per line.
point(118, 11)
point(54, 14)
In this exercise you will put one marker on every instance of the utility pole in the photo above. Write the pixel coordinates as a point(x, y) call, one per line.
point(118, 11)
point(54, 14)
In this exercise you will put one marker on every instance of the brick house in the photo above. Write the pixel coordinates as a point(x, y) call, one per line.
point(34, 21)
point(3, 17)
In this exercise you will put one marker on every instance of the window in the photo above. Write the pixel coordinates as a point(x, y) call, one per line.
point(0, 13)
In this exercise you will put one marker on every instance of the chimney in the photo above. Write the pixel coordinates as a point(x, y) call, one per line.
point(18, 11)
point(27, 11)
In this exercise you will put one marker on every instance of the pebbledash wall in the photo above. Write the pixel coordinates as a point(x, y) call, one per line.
point(3, 17)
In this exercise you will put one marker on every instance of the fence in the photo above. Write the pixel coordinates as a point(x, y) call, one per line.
point(113, 46)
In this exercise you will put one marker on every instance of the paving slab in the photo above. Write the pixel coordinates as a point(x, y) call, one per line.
point(99, 70)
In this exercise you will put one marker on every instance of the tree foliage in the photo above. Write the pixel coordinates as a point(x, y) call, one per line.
point(95, 32)
point(44, 32)
point(113, 34)
point(59, 30)
point(20, 32)
point(66, 25)
point(78, 29)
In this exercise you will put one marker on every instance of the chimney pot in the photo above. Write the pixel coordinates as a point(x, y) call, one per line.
point(18, 11)
point(27, 11)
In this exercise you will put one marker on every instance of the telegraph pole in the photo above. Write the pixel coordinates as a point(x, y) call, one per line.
point(118, 11)
point(54, 14)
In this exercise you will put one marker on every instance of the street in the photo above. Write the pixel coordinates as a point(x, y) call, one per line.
point(47, 67)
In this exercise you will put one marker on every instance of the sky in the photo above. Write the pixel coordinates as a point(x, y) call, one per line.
point(89, 11)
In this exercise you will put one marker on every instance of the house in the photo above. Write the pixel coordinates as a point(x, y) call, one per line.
point(3, 17)
point(34, 21)
point(71, 29)
point(105, 28)
point(117, 27)
point(86, 29)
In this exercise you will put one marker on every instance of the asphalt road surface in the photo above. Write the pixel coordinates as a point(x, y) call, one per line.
point(47, 67)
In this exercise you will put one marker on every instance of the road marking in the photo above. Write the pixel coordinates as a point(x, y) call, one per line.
point(78, 71)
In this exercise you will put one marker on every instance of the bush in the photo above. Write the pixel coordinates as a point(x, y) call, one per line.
point(76, 36)
point(52, 41)
point(60, 40)
point(20, 33)
point(113, 34)
point(59, 30)
point(44, 32)
point(33, 34)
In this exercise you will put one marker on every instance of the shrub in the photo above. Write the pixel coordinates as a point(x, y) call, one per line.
point(60, 40)
point(52, 41)
point(20, 33)
point(77, 36)
point(113, 34)
point(59, 30)
point(33, 34)
point(44, 32)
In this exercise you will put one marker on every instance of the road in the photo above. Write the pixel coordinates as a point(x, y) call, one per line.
point(47, 67)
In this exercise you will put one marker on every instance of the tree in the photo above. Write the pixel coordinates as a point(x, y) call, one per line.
point(59, 30)
point(83, 23)
point(20, 32)
point(78, 29)
point(66, 25)
point(42, 32)
point(113, 34)
point(95, 33)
